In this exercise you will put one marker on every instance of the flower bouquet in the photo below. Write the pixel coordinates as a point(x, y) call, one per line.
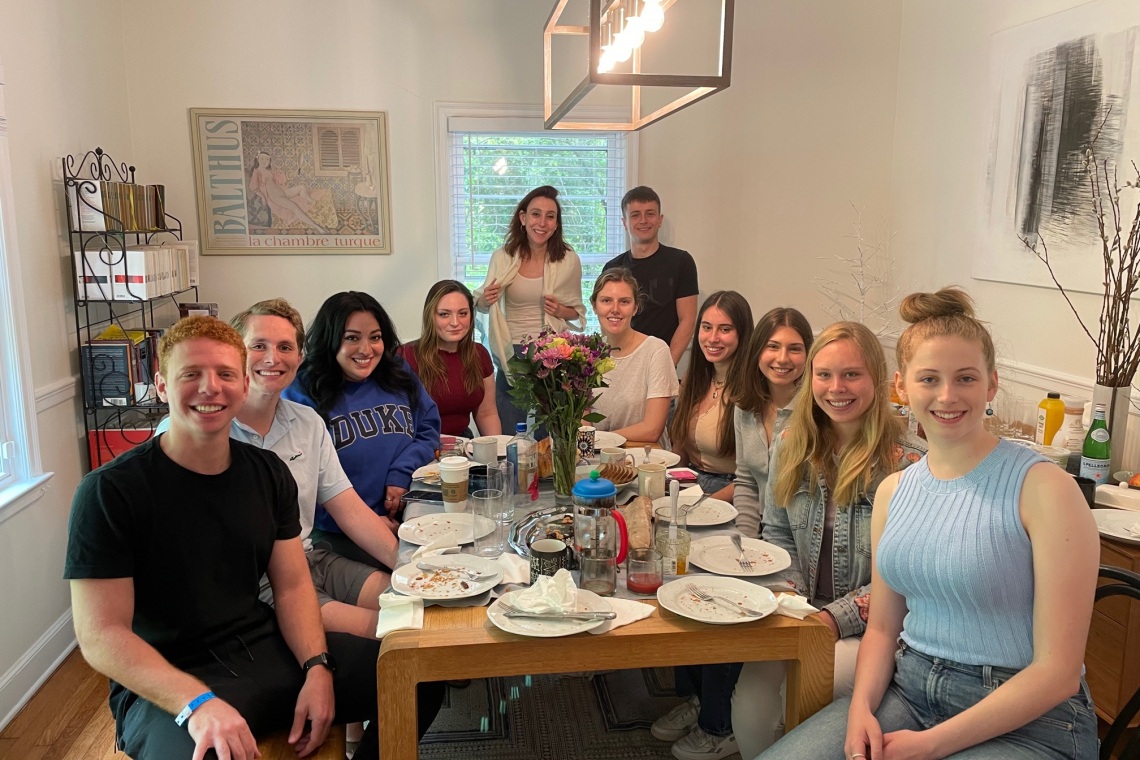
point(556, 376)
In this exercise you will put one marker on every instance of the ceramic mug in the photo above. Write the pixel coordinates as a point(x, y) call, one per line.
point(586, 435)
point(616, 456)
point(548, 556)
point(651, 480)
point(485, 449)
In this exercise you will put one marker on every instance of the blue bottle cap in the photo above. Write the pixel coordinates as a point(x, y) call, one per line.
point(520, 427)
point(595, 487)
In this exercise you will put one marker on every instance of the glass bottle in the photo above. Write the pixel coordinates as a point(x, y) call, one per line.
point(1097, 451)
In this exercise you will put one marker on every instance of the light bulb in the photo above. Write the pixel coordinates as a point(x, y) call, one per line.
point(606, 64)
point(619, 50)
point(652, 17)
point(633, 33)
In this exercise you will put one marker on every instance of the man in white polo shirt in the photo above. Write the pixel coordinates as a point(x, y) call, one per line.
point(348, 590)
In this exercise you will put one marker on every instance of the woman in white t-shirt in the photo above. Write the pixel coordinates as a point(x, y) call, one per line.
point(643, 380)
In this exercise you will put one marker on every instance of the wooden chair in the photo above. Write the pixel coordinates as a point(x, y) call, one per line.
point(1125, 583)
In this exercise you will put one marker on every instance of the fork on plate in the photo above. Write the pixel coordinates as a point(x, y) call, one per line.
point(743, 561)
point(705, 596)
point(514, 612)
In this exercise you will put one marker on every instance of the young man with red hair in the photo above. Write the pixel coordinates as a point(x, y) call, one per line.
point(165, 549)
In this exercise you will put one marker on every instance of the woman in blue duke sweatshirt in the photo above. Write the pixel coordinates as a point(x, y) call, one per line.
point(383, 423)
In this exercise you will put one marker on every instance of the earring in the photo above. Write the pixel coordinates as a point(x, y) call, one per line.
point(989, 409)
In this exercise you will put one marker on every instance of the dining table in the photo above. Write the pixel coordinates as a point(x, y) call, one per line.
point(460, 642)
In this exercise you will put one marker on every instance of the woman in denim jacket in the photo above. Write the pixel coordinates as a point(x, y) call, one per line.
point(842, 439)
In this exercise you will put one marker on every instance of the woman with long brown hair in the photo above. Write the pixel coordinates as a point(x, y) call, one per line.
point(702, 430)
point(766, 381)
point(456, 371)
point(533, 281)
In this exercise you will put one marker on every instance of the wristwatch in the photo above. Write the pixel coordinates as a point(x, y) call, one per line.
point(324, 658)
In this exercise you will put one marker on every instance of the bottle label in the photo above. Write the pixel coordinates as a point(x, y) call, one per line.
point(1095, 469)
point(1100, 435)
point(1040, 437)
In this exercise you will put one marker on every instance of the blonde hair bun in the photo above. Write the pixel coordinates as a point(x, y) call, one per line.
point(947, 302)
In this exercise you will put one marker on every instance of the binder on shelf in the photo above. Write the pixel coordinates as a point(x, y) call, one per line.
point(109, 374)
point(93, 276)
point(93, 206)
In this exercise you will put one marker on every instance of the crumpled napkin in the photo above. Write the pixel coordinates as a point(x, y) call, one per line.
point(515, 568)
point(548, 594)
point(628, 611)
point(398, 613)
point(445, 544)
point(793, 606)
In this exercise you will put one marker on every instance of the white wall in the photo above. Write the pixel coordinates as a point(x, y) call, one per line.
point(758, 181)
point(388, 55)
point(940, 150)
point(65, 93)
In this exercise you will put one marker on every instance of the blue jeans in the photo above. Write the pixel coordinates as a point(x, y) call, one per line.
point(711, 482)
point(714, 685)
point(926, 691)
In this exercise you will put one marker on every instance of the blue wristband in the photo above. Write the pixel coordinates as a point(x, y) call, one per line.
point(194, 705)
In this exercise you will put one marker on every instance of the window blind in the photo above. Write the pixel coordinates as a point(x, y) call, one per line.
point(490, 172)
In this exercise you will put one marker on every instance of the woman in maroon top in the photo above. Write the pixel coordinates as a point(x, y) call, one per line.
point(456, 371)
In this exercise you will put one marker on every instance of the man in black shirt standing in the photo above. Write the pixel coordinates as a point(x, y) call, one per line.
point(166, 546)
point(667, 276)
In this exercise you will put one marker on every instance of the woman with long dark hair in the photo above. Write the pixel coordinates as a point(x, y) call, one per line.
point(702, 430)
point(456, 370)
point(383, 423)
point(533, 281)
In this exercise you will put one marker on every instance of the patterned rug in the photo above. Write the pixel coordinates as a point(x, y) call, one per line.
point(557, 717)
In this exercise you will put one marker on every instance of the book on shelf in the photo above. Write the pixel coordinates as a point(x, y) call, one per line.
point(110, 371)
point(104, 444)
point(93, 276)
point(197, 310)
point(101, 206)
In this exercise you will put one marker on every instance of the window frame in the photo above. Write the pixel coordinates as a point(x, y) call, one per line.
point(22, 480)
point(505, 118)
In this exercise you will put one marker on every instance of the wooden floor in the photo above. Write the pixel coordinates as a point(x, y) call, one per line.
point(67, 719)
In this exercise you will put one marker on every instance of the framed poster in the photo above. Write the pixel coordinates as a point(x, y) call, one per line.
point(278, 182)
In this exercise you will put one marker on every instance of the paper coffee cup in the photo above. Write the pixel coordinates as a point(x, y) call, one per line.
point(453, 483)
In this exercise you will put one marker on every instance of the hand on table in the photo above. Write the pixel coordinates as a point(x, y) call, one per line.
point(218, 726)
point(394, 499)
point(315, 705)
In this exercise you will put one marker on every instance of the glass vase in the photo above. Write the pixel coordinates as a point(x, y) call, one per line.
point(565, 452)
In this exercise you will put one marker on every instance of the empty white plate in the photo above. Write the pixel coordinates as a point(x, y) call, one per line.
point(422, 530)
point(676, 597)
point(718, 555)
point(709, 512)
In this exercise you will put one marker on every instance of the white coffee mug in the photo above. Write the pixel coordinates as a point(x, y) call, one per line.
point(485, 449)
point(616, 456)
point(453, 483)
point(651, 480)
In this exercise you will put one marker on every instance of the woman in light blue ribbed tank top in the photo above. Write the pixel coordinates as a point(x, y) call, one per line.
point(985, 564)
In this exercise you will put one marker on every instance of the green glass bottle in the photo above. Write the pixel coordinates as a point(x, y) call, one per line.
point(1097, 451)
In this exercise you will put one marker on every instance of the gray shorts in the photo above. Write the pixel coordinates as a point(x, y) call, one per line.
point(336, 578)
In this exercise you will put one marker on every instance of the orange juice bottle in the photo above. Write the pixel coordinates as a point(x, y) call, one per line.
point(1050, 415)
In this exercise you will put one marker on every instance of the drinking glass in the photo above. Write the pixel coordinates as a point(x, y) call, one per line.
point(597, 572)
point(487, 506)
point(643, 571)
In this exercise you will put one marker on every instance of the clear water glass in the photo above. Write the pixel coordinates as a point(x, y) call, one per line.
point(488, 505)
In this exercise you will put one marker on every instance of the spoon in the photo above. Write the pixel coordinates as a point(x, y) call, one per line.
point(648, 448)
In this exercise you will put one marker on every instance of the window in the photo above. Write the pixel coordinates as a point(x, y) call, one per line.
point(19, 459)
point(489, 170)
point(338, 150)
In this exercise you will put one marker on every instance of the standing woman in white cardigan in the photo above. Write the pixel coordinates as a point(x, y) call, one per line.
point(533, 281)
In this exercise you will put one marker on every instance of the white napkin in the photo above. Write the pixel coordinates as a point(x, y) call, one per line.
point(445, 544)
point(399, 613)
point(548, 594)
point(628, 611)
point(515, 568)
point(793, 606)
point(1134, 530)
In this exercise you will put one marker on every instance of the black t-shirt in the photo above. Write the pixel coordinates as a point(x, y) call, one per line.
point(663, 277)
point(195, 545)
